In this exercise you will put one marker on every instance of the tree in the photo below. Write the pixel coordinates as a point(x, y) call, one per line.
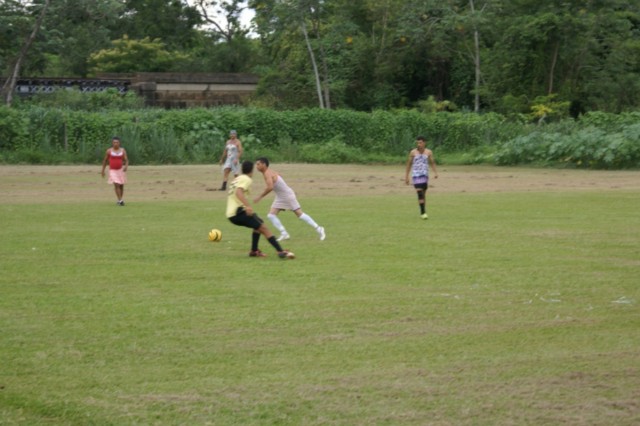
point(223, 18)
point(15, 22)
point(282, 27)
point(583, 52)
point(172, 21)
point(223, 42)
point(75, 30)
point(129, 55)
point(10, 83)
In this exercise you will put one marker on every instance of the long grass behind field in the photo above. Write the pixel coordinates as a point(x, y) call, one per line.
point(504, 308)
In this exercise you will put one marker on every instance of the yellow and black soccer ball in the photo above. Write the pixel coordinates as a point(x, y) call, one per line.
point(215, 235)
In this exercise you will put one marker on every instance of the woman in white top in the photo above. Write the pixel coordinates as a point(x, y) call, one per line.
point(231, 158)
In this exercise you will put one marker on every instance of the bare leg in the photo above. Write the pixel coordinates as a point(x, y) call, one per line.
point(225, 178)
point(264, 231)
point(119, 189)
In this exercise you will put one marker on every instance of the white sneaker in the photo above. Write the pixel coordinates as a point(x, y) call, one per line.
point(321, 232)
point(283, 236)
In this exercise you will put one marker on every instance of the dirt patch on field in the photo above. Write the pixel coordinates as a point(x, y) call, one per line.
point(53, 184)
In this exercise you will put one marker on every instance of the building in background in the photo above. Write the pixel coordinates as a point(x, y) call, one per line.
point(166, 90)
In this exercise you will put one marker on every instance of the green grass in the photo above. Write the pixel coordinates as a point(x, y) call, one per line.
point(503, 308)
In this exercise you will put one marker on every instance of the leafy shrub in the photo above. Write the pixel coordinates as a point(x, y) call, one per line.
point(13, 129)
point(332, 136)
point(204, 143)
point(335, 151)
point(587, 148)
point(548, 108)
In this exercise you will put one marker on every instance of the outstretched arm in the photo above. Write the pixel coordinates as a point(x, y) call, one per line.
point(268, 186)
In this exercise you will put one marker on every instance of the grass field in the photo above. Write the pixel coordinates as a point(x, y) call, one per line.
point(515, 303)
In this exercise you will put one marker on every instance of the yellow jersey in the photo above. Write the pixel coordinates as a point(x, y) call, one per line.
point(244, 182)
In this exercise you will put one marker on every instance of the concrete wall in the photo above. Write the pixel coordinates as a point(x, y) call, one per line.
point(178, 90)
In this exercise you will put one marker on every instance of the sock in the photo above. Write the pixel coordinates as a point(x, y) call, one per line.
point(255, 238)
point(308, 219)
point(276, 222)
point(421, 201)
point(276, 245)
point(224, 186)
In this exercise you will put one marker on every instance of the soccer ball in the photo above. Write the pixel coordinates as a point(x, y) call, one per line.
point(215, 235)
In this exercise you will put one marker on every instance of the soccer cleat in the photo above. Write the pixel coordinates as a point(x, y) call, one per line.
point(286, 254)
point(321, 232)
point(256, 253)
point(424, 216)
point(283, 236)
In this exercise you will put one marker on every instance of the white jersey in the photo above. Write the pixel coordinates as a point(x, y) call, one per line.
point(285, 197)
point(232, 158)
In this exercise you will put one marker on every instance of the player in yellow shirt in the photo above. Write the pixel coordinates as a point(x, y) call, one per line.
point(240, 212)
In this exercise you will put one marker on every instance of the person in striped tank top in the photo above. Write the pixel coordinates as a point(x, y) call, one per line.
point(419, 162)
point(116, 157)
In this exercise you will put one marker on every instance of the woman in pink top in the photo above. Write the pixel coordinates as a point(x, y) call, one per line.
point(118, 161)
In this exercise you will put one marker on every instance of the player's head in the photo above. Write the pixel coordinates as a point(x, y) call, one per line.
point(233, 133)
point(115, 141)
point(421, 141)
point(247, 167)
point(262, 162)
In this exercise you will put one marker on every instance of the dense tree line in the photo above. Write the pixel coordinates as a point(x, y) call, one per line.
point(545, 59)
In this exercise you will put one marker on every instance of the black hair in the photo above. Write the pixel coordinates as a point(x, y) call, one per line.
point(247, 167)
point(421, 138)
point(264, 160)
point(115, 138)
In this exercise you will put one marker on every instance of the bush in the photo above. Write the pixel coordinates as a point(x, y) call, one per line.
point(335, 151)
point(586, 148)
point(314, 135)
point(14, 131)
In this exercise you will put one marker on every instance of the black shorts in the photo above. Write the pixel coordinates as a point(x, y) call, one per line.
point(421, 182)
point(422, 186)
point(242, 219)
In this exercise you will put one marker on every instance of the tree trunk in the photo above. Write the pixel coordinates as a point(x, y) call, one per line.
point(326, 88)
point(325, 79)
point(10, 84)
point(476, 61)
point(313, 63)
point(554, 61)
